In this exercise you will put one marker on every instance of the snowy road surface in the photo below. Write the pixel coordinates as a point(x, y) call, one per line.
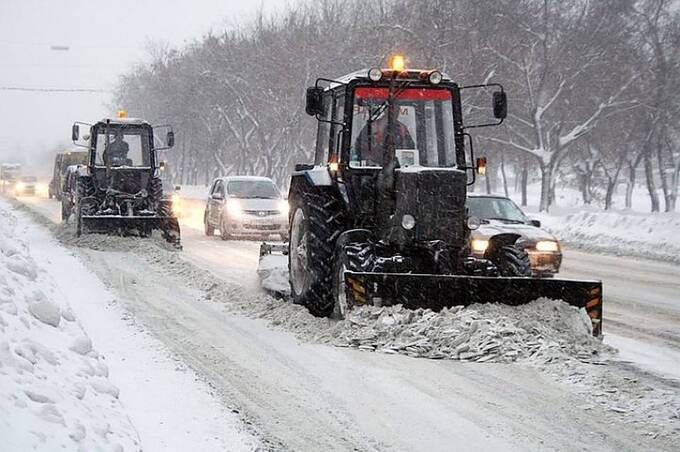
point(304, 396)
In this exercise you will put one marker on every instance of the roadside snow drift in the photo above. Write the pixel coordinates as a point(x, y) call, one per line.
point(653, 235)
point(54, 387)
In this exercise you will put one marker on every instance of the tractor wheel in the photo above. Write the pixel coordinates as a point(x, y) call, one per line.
point(512, 261)
point(349, 257)
point(65, 212)
point(207, 228)
point(316, 222)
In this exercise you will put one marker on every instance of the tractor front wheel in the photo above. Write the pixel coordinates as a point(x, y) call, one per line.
point(316, 222)
point(512, 260)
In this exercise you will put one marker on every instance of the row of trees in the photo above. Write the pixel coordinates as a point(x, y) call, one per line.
point(594, 87)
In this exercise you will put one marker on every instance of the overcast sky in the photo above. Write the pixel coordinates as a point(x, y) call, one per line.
point(104, 38)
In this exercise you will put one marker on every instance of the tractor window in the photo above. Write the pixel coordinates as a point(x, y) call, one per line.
point(423, 130)
point(124, 147)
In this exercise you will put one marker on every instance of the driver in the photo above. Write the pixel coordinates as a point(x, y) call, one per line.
point(117, 150)
point(373, 153)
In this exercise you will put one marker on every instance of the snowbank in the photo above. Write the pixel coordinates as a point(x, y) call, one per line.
point(652, 235)
point(54, 387)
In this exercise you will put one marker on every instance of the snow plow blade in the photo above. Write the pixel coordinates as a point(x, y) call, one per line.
point(439, 291)
point(133, 225)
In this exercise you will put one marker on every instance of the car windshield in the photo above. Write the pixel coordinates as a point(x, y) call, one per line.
point(123, 146)
point(29, 179)
point(491, 208)
point(253, 189)
point(423, 130)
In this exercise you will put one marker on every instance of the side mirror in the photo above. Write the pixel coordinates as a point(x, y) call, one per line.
point(314, 101)
point(481, 166)
point(218, 196)
point(500, 105)
point(75, 132)
point(170, 139)
point(536, 223)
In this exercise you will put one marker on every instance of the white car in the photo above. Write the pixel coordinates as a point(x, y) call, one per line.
point(246, 206)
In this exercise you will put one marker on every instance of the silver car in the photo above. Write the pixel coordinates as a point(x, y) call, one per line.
point(246, 206)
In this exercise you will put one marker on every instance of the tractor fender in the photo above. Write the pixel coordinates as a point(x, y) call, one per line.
point(500, 240)
point(353, 235)
point(317, 175)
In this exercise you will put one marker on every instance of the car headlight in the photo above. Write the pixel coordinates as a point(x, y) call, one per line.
point(20, 186)
point(479, 245)
point(284, 207)
point(547, 246)
point(234, 208)
point(176, 202)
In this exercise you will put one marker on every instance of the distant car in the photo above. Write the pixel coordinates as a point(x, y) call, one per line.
point(246, 206)
point(500, 215)
point(26, 186)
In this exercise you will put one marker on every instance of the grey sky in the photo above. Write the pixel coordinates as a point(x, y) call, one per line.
point(104, 38)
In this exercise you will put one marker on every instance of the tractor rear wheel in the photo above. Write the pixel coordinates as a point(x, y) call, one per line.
point(512, 260)
point(316, 222)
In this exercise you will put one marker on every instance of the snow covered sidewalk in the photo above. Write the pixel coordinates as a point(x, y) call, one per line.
point(77, 374)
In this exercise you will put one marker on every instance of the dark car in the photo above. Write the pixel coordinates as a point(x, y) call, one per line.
point(500, 215)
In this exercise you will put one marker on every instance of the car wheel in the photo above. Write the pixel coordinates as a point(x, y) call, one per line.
point(224, 232)
point(208, 229)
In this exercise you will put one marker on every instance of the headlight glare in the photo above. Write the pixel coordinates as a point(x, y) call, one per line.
point(234, 208)
point(479, 245)
point(547, 246)
point(284, 208)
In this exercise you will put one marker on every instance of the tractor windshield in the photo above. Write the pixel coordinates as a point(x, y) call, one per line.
point(123, 146)
point(423, 131)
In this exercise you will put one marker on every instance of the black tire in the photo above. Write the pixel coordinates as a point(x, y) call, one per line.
point(84, 189)
point(351, 256)
point(65, 211)
point(224, 234)
point(317, 219)
point(207, 227)
point(512, 260)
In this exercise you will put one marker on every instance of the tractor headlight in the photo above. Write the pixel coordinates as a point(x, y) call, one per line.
point(284, 208)
point(435, 77)
point(473, 223)
point(375, 74)
point(547, 246)
point(234, 208)
point(479, 245)
point(408, 222)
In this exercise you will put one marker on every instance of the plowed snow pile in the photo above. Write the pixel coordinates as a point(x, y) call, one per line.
point(54, 388)
point(543, 330)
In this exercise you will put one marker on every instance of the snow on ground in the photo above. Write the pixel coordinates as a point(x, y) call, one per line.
point(55, 390)
point(58, 390)
point(548, 335)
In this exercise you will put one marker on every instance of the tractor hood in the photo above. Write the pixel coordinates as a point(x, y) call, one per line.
point(496, 227)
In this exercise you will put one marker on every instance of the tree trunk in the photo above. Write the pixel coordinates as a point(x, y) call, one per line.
point(546, 174)
point(651, 185)
point(504, 176)
point(662, 176)
point(524, 180)
point(611, 189)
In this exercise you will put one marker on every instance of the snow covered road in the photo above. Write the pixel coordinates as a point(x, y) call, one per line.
point(305, 396)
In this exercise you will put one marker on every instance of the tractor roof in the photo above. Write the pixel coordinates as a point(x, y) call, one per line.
point(362, 74)
point(125, 121)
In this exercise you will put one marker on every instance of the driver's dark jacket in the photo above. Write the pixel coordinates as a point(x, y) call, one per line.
point(374, 154)
point(116, 151)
